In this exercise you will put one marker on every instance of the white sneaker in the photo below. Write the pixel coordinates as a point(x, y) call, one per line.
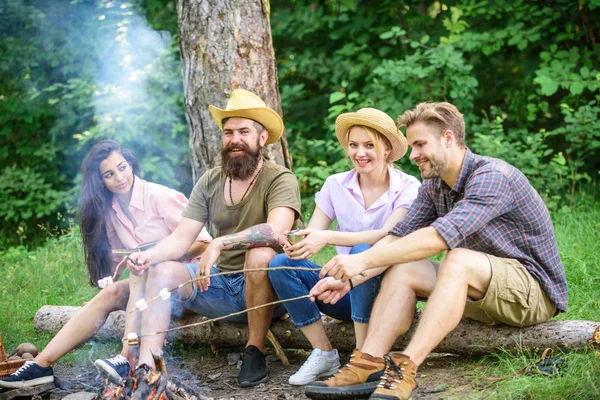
point(317, 365)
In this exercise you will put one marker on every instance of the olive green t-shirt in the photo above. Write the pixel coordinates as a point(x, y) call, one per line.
point(276, 186)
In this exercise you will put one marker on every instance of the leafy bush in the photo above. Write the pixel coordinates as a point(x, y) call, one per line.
point(86, 71)
point(26, 200)
point(525, 75)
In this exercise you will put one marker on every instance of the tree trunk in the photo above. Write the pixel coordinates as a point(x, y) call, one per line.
point(469, 337)
point(225, 45)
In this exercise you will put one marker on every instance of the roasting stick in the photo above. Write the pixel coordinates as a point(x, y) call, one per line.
point(109, 280)
point(278, 349)
point(165, 293)
point(130, 336)
point(133, 339)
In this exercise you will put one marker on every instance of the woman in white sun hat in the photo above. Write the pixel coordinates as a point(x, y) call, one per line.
point(366, 202)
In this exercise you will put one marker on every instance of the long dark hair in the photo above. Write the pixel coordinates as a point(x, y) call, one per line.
point(94, 203)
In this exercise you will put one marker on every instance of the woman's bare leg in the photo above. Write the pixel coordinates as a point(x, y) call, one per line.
point(315, 333)
point(86, 322)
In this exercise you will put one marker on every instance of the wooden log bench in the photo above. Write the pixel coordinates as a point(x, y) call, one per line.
point(469, 337)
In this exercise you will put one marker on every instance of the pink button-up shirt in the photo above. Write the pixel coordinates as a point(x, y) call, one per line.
point(341, 199)
point(156, 210)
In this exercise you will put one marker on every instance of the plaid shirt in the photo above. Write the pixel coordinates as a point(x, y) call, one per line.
point(492, 209)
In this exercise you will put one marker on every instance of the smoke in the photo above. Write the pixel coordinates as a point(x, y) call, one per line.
point(129, 49)
point(139, 92)
point(118, 79)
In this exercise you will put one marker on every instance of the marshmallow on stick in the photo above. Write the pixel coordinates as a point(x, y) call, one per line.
point(132, 339)
point(109, 280)
point(141, 304)
point(165, 294)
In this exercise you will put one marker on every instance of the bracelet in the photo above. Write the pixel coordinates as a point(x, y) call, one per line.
point(351, 285)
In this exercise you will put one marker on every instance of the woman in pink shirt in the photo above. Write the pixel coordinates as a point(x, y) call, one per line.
point(117, 210)
point(366, 202)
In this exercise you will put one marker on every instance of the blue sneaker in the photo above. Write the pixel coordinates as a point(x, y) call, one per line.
point(117, 367)
point(30, 374)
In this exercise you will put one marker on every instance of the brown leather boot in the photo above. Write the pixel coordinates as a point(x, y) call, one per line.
point(357, 379)
point(398, 380)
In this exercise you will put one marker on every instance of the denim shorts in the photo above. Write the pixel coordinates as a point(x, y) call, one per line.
point(225, 295)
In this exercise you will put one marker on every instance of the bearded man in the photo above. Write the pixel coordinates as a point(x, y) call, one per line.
point(247, 203)
point(502, 264)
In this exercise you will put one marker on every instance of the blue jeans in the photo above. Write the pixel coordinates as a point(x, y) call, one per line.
point(225, 295)
point(355, 306)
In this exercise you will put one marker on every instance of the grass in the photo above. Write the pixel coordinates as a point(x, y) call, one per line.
point(578, 235)
point(55, 274)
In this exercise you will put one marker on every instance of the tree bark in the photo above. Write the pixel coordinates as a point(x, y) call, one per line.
point(225, 45)
point(469, 338)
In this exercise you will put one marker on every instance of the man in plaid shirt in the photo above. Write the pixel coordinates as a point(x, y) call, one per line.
point(502, 264)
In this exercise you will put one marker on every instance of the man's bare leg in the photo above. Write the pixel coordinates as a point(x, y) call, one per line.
point(133, 320)
point(395, 305)
point(158, 314)
point(259, 291)
point(360, 332)
point(462, 273)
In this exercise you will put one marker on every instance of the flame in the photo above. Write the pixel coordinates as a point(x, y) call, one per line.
point(151, 395)
point(153, 377)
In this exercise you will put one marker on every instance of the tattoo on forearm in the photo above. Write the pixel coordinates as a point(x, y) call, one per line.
point(257, 236)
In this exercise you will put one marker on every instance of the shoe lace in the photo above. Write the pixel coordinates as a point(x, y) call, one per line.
point(312, 361)
point(23, 367)
point(393, 373)
point(309, 364)
point(347, 365)
point(118, 360)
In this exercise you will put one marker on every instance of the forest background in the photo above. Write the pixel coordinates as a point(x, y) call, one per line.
point(525, 74)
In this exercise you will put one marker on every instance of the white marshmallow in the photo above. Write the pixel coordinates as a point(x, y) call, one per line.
point(165, 294)
point(104, 282)
point(141, 304)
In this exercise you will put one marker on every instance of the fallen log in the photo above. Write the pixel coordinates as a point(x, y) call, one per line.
point(469, 337)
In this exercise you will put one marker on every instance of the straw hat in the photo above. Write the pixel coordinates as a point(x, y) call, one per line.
point(377, 120)
point(244, 104)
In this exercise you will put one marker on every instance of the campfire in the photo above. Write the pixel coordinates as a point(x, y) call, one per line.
point(146, 383)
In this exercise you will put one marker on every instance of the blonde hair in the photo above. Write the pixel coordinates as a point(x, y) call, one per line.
point(444, 116)
point(377, 138)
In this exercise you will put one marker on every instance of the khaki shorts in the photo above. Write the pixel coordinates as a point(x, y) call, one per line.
point(514, 297)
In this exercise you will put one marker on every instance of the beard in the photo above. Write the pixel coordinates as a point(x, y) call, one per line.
point(437, 165)
point(241, 167)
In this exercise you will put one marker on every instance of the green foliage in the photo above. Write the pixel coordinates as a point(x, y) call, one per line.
point(26, 200)
point(514, 69)
point(85, 71)
point(526, 75)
